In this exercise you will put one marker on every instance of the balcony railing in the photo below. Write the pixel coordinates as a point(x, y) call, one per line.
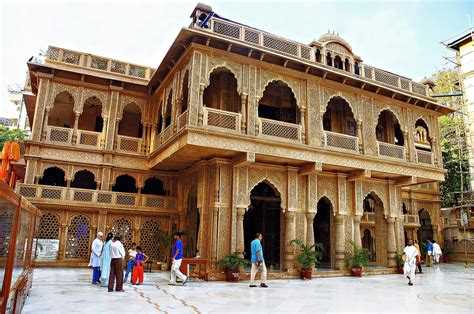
point(391, 150)
point(278, 129)
point(58, 134)
point(182, 120)
point(368, 217)
point(46, 192)
point(341, 141)
point(411, 219)
point(97, 63)
point(424, 157)
point(88, 138)
point(305, 52)
point(221, 119)
point(129, 144)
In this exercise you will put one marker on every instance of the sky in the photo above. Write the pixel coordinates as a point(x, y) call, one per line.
point(398, 36)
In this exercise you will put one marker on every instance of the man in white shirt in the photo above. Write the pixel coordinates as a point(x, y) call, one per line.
point(97, 245)
point(411, 254)
point(437, 252)
point(117, 254)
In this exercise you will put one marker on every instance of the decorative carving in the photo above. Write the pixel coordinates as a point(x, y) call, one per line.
point(71, 89)
point(294, 84)
point(327, 186)
point(214, 63)
point(351, 100)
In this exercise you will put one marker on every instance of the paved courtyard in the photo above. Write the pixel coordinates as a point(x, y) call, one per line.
point(443, 288)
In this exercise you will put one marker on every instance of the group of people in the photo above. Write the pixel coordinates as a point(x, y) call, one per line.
point(107, 262)
point(412, 257)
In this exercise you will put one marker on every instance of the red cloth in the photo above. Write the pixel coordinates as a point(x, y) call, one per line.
point(15, 151)
point(137, 274)
point(5, 160)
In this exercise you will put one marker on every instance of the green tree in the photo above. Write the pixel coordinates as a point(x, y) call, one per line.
point(453, 141)
point(7, 134)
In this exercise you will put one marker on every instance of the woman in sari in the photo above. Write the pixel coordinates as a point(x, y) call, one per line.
point(105, 260)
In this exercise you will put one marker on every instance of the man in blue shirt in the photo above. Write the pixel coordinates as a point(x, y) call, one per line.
point(177, 256)
point(257, 262)
point(429, 252)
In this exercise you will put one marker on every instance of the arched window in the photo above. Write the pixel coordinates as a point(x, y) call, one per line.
point(422, 137)
point(347, 65)
point(329, 59)
point(125, 183)
point(339, 117)
point(278, 103)
point(356, 68)
point(388, 129)
point(53, 176)
point(338, 63)
point(221, 93)
point(153, 186)
point(62, 113)
point(131, 124)
point(159, 124)
point(91, 117)
point(185, 92)
point(84, 179)
point(78, 237)
point(169, 108)
point(318, 56)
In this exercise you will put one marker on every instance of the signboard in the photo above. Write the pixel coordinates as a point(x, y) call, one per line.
point(47, 250)
point(464, 219)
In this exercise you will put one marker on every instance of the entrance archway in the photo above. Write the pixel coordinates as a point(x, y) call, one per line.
point(264, 216)
point(374, 220)
point(192, 223)
point(368, 242)
point(426, 229)
point(322, 229)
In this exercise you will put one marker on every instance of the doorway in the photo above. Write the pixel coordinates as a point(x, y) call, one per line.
point(322, 229)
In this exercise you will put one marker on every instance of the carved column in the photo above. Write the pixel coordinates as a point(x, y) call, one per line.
point(117, 123)
point(391, 242)
point(407, 145)
point(215, 235)
point(163, 121)
point(200, 233)
point(357, 236)
point(436, 158)
point(144, 138)
point(240, 245)
point(290, 234)
point(309, 228)
point(359, 136)
point(62, 241)
point(340, 242)
point(179, 108)
point(257, 123)
point(303, 124)
point(201, 103)
point(74, 131)
point(103, 137)
point(243, 111)
point(45, 123)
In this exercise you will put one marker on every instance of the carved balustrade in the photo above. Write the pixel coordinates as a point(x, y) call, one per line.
point(391, 150)
point(221, 119)
point(59, 135)
point(424, 157)
point(341, 141)
point(88, 138)
point(278, 129)
point(129, 144)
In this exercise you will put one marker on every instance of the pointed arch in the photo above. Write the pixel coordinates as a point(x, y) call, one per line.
point(54, 176)
point(131, 122)
point(224, 65)
point(222, 91)
point(339, 116)
point(279, 102)
point(91, 115)
point(62, 112)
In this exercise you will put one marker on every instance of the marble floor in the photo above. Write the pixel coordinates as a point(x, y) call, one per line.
point(441, 289)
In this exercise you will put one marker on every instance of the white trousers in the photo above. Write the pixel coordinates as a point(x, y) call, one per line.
point(175, 271)
point(254, 271)
point(436, 257)
point(409, 270)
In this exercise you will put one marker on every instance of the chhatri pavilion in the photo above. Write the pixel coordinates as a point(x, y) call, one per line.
point(237, 131)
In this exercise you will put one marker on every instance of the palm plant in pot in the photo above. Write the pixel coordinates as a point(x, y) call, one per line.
point(447, 252)
point(231, 264)
point(164, 240)
point(309, 257)
point(359, 258)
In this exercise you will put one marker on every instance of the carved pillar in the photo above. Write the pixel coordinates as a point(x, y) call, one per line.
point(257, 123)
point(240, 245)
point(179, 109)
point(391, 242)
point(62, 241)
point(406, 142)
point(357, 236)
point(303, 124)
point(163, 121)
point(45, 123)
point(339, 262)
point(200, 233)
point(103, 137)
point(117, 123)
point(243, 111)
point(359, 136)
point(144, 138)
point(74, 131)
point(309, 228)
point(215, 236)
point(290, 234)
point(201, 103)
point(436, 158)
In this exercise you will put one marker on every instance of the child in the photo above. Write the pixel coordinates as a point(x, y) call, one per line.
point(140, 259)
point(131, 261)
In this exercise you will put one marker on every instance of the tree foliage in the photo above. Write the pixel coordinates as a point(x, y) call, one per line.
point(7, 134)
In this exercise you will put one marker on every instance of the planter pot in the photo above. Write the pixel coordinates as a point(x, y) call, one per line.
point(356, 271)
point(231, 275)
point(446, 259)
point(306, 274)
point(164, 266)
point(400, 270)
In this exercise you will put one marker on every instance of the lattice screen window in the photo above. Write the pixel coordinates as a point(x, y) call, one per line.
point(49, 227)
point(148, 239)
point(78, 237)
point(123, 227)
point(6, 220)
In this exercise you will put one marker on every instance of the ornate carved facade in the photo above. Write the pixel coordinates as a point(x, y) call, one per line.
point(237, 131)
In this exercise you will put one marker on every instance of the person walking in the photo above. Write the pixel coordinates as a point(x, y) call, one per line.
point(429, 253)
point(409, 268)
point(418, 258)
point(140, 260)
point(131, 261)
point(437, 252)
point(177, 256)
point(258, 262)
point(117, 254)
point(94, 261)
point(105, 261)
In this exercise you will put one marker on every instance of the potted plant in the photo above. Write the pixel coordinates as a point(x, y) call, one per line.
point(309, 257)
point(231, 264)
point(423, 249)
point(357, 259)
point(447, 252)
point(400, 263)
point(164, 242)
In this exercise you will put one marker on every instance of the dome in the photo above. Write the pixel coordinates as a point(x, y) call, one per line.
point(333, 38)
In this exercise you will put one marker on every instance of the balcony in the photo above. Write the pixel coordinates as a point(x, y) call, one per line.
point(88, 139)
point(128, 144)
point(220, 119)
point(281, 130)
point(424, 157)
point(59, 135)
point(48, 193)
point(411, 220)
point(98, 64)
point(304, 52)
point(368, 218)
point(340, 141)
point(391, 150)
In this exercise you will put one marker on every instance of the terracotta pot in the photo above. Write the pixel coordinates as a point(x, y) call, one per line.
point(446, 259)
point(306, 274)
point(400, 270)
point(356, 271)
point(231, 275)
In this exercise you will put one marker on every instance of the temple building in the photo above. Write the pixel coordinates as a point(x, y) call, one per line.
point(237, 131)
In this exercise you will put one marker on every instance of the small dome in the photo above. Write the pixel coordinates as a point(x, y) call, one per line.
point(331, 37)
point(428, 81)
